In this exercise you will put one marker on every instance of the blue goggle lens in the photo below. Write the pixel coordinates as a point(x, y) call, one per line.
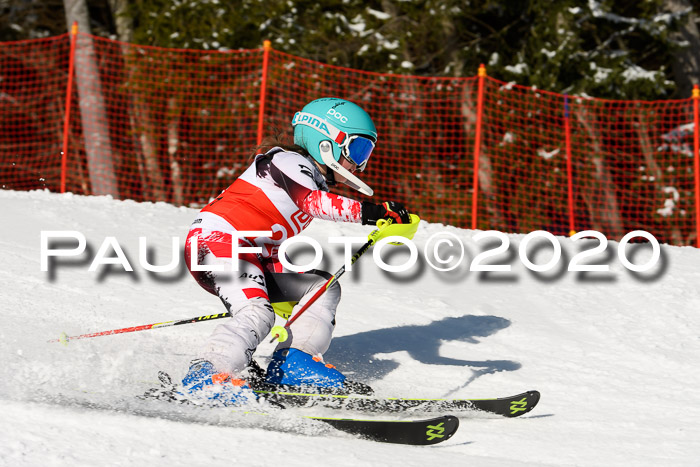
point(358, 150)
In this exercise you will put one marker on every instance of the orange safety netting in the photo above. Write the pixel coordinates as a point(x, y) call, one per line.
point(33, 80)
point(155, 124)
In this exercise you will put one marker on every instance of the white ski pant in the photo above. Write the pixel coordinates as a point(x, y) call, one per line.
point(247, 294)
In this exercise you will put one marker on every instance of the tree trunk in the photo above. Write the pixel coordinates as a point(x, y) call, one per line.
point(601, 199)
point(647, 147)
point(176, 176)
point(94, 119)
point(686, 66)
point(122, 22)
point(140, 116)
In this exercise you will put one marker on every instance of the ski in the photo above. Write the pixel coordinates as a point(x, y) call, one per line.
point(416, 432)
point(288, 396)
point(413, 432)
point(513, 406)
point(359, 397)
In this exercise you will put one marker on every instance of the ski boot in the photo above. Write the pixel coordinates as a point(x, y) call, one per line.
point(203, 383)
point(294, 368)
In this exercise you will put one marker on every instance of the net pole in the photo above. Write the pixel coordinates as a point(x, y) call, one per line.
point(263, 89)
point(477, 144)
point(696, 156)
point(569, 166)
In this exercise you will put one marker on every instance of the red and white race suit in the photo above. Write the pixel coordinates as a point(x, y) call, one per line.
point(281, 192)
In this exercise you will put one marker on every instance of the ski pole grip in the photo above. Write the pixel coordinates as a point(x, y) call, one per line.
point(382, 223)
point(385, 228)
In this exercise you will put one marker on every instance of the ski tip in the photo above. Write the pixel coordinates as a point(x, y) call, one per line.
point(534, 398)
point(523, 403)
point(453, 423)
point(510, 407)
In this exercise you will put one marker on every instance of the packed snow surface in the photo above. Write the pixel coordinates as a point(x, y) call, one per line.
point(615, 354)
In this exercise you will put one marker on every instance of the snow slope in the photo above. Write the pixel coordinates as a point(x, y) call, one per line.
point(614, 354)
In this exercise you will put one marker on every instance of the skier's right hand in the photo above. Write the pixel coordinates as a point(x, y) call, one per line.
point(371, 213)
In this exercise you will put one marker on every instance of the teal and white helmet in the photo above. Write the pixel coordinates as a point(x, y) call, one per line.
point(331, 128)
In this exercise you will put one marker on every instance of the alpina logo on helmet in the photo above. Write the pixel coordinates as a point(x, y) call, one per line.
point(307, 119)
point(334, 113)
point(320, 124)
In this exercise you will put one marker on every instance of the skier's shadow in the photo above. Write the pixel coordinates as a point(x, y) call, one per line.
point(355, 353)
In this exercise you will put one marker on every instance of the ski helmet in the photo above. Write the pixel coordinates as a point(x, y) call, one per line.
point(331, 128)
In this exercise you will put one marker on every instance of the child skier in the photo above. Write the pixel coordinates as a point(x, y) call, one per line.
point(281, 192)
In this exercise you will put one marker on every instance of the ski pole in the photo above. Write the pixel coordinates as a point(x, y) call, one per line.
point(64, 338)
point(280, 332)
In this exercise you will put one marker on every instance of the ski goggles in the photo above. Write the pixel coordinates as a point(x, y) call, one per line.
point(357, 150)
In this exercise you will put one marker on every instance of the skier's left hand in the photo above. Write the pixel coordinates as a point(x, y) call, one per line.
point(397, 212)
